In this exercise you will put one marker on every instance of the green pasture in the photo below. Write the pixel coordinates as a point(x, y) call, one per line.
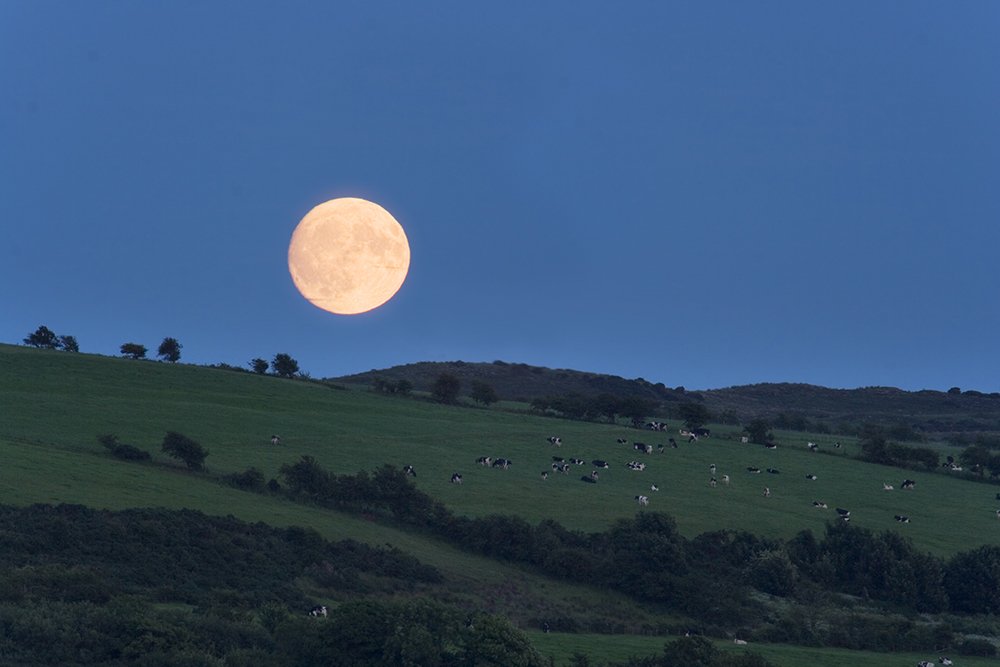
point(57, 403)
point(602, 648)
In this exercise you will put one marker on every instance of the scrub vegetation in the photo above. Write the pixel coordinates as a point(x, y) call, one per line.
point(261, 530)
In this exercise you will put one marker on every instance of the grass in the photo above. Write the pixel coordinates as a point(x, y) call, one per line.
point(620, 647)
point(65, 400)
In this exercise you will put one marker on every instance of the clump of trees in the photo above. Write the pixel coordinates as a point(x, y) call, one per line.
point(45, 338)
point(401, 387)
point(121, 450)
point(483, 393)
point(185, 449)
point(284, 365)
point(446, 388)
point(602, 407)
point(875, 447)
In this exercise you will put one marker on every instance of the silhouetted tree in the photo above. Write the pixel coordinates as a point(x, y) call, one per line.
point(259, 365)
point(483, 393)
point(169, 350)
point(284, 366)
point(133, 350)
point(636, 408)
point(44, 338)
point(445, 389)
point(69, 344)
point(184, 448)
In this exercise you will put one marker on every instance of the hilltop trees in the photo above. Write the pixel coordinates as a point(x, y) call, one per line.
point(758, 431)
point(259, 366)
point(284, 366)
point(169, 350)
point(694, 415)
point(69, 344)
point(133, 350)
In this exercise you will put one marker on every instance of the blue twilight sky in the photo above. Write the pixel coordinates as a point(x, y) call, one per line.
point(698, 193)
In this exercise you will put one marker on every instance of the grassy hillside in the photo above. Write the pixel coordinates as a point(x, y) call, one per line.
point(56, 403)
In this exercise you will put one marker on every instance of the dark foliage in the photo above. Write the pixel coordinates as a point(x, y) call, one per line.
point(184, 448)
point(483, 393)
point(446, 387)
point(284, 365)
point(69, 344)
point(169, 350)
point(121, 450)
point(43, 337)
point(259, 365)
point(133, 350)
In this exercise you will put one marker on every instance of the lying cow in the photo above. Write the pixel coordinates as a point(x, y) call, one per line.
point(642, 500)
point(456, 478)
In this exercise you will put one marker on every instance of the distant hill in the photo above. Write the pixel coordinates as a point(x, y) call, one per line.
point(928, 411)
point(520, 382)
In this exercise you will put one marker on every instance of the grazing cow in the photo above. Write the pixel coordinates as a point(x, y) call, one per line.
point(654, 487)
point(456, 478)
point(485, 461)
point(503, 464)
point(642, 500)
point(555, 440)
point(767, 492)
point(886, 487)
point(812, 446)
point(836, 445)
point(753, 469)
point(701, 432)
point(545, 474)
point(561, 467)
point(558, 459)
point(635, 465)
point(770, 445)
point(811, 476)
point(599, 463)
point(925, 663)
point(820, 505)
point(774, 471)
point(740, 642)
point(725, 479)
point(744, 439)
point(902, 519)
point(844, 514)
point(593, 475)
point(712, 482)
point(622, 441)
point(642, 447)
point(577, 462)
point(907, 484)
point(410, 471)
point(275, 440)
point(944, 661)
point(711, 468)
point(317, 611)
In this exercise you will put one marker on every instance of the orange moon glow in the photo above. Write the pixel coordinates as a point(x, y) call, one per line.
point(348, 256)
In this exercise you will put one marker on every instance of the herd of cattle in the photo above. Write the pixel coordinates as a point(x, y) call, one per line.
point(562, 465)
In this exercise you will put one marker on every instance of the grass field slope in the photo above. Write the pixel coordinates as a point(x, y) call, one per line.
point(53, 405)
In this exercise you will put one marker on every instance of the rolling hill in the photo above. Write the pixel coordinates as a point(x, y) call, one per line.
point(936, 413)
point(53, 405)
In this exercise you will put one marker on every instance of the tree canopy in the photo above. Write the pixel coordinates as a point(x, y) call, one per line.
point(169, 350)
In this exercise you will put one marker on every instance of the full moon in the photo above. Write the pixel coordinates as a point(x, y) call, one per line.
point(348, 256)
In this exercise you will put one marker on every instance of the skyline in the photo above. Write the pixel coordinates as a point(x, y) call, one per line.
point(699, 195)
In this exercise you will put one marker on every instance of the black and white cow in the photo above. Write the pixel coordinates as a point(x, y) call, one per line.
point(774, 471)
point(944, 661)
point(844, 514)
point(901, 518)
point(654, 487)
point(485, 461)
point(621, 441)
point(642, 447)
point(711, 468)
point(558, 459)
point(275, 440)
point(599, 463)
point(410, 471)
point(555, 440)
point(635, 465)
point(502, 463)
point(818, 504)
point(577, 462)
point(701, 432)
point(925, 663)
point(588, 479)
point(725, 479)
point(317, 611)
point(887, 487)
point(813, 447)
point(753, 470)
point(770, 445)
point(642, 500)
point(767, 492)
point(545, 474)
point(811, 476)
point(456, 478)
point(561, 467)
point(907, 484)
